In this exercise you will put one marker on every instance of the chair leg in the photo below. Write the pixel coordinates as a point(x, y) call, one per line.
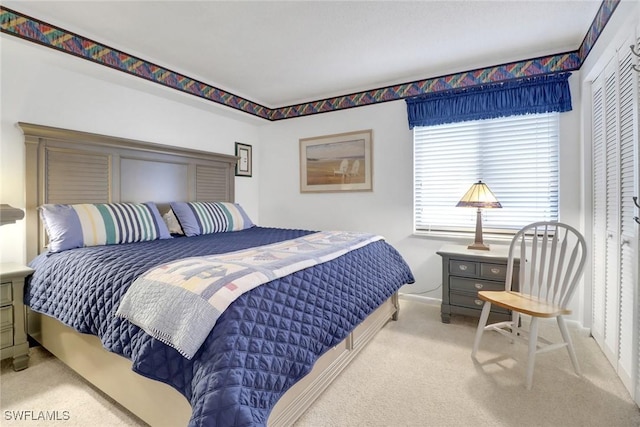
point(567, 338)
point(515, 326)
point(533, 344)
point(484, 316)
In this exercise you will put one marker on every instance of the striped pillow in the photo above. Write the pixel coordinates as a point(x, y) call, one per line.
point(76, 226)
point(198, 218)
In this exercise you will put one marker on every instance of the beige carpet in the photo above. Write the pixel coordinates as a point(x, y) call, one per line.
point(417, 372)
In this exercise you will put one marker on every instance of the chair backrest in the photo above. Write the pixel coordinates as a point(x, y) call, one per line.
point(552, 258)
point(355, 167)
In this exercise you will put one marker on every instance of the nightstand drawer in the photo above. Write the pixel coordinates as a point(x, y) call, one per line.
point(493, 271)
point(6, 337)
point(474, 285)
point(6, 317)
point(6, 296)
point(463, 268)
point(472, 301)
point(499, 272)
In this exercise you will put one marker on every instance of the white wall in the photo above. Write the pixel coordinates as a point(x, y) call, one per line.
point(46, 87)
point(388, 210)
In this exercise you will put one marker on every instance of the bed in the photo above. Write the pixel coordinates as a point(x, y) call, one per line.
point(271, 352)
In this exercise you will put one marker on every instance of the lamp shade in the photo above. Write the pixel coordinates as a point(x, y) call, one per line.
point(479, 196)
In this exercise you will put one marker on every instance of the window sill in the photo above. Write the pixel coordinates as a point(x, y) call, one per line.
point(463, 237)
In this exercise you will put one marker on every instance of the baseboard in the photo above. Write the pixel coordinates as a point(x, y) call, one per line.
point(420, 298)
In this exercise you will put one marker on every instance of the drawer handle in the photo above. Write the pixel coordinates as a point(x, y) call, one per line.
point(495, 270)
point(479, 285)
point(463, 267)
point(479, 302)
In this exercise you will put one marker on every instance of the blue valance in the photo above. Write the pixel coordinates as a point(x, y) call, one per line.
point(542, 94)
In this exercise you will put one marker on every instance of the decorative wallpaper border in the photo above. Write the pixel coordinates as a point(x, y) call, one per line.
point(602, 17)
point(34, 30)
point(31, 29)
point(514, 70)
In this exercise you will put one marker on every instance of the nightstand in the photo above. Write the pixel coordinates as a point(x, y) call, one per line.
point(13, 335)
point(465, 272)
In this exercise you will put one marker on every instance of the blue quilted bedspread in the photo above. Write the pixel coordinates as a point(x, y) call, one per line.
point(264, 342)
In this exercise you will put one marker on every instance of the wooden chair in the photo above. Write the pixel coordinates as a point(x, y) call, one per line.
point(342, 170)
point(355, 168)
point(552, 258)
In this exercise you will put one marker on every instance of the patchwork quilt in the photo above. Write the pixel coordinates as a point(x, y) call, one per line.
point(180, 302)
point(264, 342)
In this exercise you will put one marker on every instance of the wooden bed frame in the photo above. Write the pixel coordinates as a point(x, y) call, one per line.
point(64, 166)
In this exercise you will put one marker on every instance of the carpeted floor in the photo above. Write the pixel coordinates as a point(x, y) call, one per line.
point(416, 372)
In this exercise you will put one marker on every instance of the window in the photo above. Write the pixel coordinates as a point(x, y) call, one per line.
point(516, 156)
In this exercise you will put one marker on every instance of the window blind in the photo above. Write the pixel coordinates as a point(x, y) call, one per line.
point(516, 156)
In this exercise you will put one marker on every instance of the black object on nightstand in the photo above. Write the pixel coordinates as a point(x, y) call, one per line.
point(465, 272)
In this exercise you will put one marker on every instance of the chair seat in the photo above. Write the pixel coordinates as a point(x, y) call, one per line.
point(523, 303)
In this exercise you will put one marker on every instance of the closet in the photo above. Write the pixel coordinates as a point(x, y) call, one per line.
point(616, 231)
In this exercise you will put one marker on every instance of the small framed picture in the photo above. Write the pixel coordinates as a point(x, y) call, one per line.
point(243, 167)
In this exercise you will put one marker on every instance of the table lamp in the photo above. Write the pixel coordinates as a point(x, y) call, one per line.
point(479, 196)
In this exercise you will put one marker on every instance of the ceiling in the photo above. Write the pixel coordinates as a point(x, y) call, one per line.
point(278, 53)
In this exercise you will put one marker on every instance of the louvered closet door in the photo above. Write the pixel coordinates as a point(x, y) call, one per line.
point(616, 322)
point(633, 273)
point(606, 216)
point(636, 279)
point(599, 240)
point(628, 136)
point(612, 299)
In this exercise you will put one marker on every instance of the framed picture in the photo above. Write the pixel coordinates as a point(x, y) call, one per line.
point(339, 162)
point(243, 167)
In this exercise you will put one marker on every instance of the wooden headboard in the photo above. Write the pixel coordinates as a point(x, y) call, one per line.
point(66, 166)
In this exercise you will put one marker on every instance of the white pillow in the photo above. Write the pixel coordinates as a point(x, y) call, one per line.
point(172, 222)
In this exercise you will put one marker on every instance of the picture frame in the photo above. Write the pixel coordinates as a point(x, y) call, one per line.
point(244, 167)
point(336, 163)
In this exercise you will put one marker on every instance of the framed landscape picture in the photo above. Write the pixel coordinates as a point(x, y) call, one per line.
point(340, 162)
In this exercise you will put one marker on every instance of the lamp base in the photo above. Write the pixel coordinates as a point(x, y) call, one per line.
point(479, 246)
